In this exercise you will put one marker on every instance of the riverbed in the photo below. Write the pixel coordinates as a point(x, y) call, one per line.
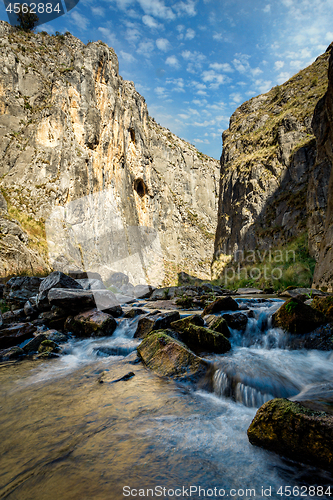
point(65, 435)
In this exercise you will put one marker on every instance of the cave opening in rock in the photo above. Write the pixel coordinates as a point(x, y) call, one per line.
point(140, 187)
point(132, 133)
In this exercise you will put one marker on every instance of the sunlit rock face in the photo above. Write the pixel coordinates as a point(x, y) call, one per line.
point(71, 128)
point(271, 191)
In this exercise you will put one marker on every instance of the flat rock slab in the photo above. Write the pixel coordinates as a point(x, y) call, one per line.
point(311, 292)
point(294, 431)
point(67, 299)
point(249, 291)
point(15, 334)
point(162, 304)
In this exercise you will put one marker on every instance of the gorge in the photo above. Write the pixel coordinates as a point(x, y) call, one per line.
point(122, 390)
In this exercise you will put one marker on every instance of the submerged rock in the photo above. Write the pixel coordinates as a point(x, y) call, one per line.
point(296, 317)
point(171, 358)
point(294, 431)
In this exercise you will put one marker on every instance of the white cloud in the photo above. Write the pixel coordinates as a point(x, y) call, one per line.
point(133, 33)
point(263, 85)
point(186, 8)
point(190, 34)
point(296, 64)
point(195, 60)
point(267, 8)
point(256, 71)
point(172, 61)
point(127, 57)
point(161, 91)
point(236, 98)
point(329, 36)
point(283, 77)
point(199, 102)
point(98, 11)
point(108, 35)
point(278, 65)
point(146, 48)
point(221, 67)
point(198, 86)
point(178, 84)
point(215, 79)
point(79, 20)
point(163, 44)
point(151, 22)
point(183, 117)
point(157, 8)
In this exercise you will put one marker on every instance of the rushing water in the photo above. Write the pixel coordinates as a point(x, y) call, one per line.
point(66, 436)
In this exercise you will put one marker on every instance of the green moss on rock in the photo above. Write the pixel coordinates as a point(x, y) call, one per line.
point(170, 357)
point(296, 432)
point(296, 317)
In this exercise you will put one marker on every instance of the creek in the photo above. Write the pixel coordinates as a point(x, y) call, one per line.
point(66, 436)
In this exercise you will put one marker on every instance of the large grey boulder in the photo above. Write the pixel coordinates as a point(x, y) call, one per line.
point(57, 279)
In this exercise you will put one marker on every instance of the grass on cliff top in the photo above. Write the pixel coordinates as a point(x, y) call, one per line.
point(278, 268)
point(297, 97)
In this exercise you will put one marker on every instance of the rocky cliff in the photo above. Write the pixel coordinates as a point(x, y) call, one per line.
point(271, 189)
point(323, 128)
point(88, 178)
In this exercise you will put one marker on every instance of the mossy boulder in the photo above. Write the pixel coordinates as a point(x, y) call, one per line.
point(48, 346)
point(294, 431)
point(218, 324)
point(183, 323)
point(202, 339)
point(91, 323)
point(221, 304)
point(324, 305)
point(296, 317)
point(171, 358)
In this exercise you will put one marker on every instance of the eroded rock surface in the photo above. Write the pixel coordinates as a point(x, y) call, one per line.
point(271, 191)
point(72, 129)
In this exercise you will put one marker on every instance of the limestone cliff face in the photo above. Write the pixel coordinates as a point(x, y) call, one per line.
point(323, 129)
point(270, 189)
point(71, 129)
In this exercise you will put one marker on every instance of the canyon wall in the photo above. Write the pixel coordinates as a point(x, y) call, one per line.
point(272, 191)
point(88, 178)
point(323, 128)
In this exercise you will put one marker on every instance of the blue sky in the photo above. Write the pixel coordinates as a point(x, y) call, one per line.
point(196, 61)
